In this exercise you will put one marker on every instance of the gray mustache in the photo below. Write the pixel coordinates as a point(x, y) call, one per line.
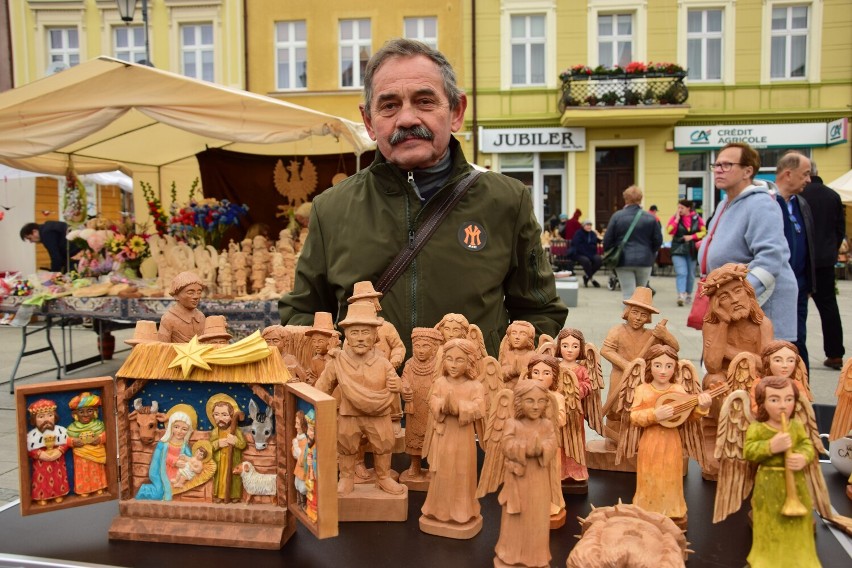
point(402, 133)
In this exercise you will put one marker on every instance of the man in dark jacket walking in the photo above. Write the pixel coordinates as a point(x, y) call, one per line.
point(51, 234)
point(792, 173)
point(640, 250)
point(829, 229)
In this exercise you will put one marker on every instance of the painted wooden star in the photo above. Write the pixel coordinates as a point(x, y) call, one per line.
point(190, 355)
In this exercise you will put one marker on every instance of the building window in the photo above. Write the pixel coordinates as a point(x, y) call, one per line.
point(615, 39)
point(704, 45)
point(789, 48)
point(64, 46)
point(422, 29)
point(528, 61)
point(291, 65)
point(197, 51)
point(129, 43)
point(355, 50)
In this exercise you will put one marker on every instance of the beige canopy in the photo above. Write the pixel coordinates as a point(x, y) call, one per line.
point(108, 114)
point(843, 186)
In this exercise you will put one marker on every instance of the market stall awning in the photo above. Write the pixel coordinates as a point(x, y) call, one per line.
point(843, 186)
point(108, 114)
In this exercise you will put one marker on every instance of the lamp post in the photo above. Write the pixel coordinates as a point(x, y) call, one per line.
point(127, 9)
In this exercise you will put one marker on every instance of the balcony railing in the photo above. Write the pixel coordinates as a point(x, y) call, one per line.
point(622, 90)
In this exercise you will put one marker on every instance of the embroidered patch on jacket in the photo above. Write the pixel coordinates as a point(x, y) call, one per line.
point(472, 236)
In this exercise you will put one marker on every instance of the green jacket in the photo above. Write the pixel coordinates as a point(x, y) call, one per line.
point(359, 226)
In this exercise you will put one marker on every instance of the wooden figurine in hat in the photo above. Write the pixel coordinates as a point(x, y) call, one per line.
point(87, 438)
point(419, 373)
point(624, 343)
point(144, 332)
point(368, 386)
point(276, 336)
point(456, 407)
point(390, 345)
point(320, 334)
point(183, 320)
point(215, 331)
point(734, 324)
point(46, 447)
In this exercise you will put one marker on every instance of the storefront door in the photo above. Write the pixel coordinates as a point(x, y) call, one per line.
point(614, 172)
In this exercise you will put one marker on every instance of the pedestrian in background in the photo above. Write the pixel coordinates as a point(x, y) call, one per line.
point(584, 247)
point(640, 250)
point(829, 230)
point(686, 228)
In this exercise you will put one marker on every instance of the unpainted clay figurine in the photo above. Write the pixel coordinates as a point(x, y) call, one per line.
point(515, 351)
point(456, 405)
point(183, 320)
point(521, 443)
point(626, 342)
point(734, 324)
point(456, 326)
point(368, 387)
point(320, 334)
point(215, 331)
point(276, 336)
point(419, 373)
point(659, 463)
point(46, 447)
point(628, 536)
point(87, 438)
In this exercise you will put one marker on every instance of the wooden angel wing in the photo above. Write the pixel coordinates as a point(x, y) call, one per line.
point(741, 372)
point(628, 436)
point(592, 405)
point(546, 345)
point(813, 472)
point(736, 474)
point(842, 422)
point(492, 468)
point(572, 435)
point(691, 435)
point(801, 375)
point(552, 413)
point(491, 379)
point(475, 335)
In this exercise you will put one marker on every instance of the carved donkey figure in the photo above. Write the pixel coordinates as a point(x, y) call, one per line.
point(261, 426)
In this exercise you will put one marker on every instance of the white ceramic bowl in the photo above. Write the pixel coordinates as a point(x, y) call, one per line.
point(841, 454)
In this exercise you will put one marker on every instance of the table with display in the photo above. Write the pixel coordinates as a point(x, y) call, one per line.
point(243, 316)
point(80, 534)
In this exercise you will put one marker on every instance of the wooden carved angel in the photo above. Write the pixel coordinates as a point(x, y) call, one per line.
point(521, 442)
point(456, 326)
point(516, 348)
point(658, 395)
point(456, 405)
point(781, 359)
point(842, 422)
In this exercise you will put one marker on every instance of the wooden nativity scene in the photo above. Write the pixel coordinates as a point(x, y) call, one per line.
point(282, 427)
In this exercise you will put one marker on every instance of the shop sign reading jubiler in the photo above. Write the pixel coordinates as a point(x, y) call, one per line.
point(796, 135)
point(504, 140)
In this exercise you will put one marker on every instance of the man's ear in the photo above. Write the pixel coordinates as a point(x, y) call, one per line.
point(457, 114)
point(368, 122)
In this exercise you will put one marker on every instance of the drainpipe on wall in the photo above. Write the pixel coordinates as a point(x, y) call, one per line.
point(245, 46)
point(475, 123)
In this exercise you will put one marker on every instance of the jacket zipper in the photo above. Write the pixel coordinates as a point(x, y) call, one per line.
point(412, 291)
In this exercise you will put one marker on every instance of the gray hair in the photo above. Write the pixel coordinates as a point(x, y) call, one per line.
point(789, 161)
point(814, 171)
point(402, 47)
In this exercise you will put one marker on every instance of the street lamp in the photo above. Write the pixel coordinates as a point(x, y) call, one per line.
point(127, 9)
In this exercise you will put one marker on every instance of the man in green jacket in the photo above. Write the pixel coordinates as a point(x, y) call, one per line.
point(485, 259)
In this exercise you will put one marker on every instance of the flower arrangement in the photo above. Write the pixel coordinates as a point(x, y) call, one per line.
point(155, 208)
point(634, 68)
point(93, 259)
point(666, 68)
point(74, 207)
point(576, 71)
point(128, 245)
point(205, 221)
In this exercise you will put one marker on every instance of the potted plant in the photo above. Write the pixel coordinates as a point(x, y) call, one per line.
point(632, 97)
point(610, 98)
point(592, 100)
point(635, 68)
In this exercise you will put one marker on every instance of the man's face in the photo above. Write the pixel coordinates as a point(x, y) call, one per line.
point(311, 433)
point(319, 344)
point(85, 415)
point(637, 317)
point(733, 299)
point(33, 237)
point(737, 175)
point(221, 416)
point(189, 296)
point(360, 338)
point(411, 120)
point(796, 179)
point(518, 338)
point(45, 420)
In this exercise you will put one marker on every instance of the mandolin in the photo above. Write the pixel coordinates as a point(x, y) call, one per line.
point(683, 404)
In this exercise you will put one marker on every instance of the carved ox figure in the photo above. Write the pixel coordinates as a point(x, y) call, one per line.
point(146, 419)
point(261, 426)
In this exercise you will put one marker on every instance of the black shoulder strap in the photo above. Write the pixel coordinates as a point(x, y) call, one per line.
point(399, 264)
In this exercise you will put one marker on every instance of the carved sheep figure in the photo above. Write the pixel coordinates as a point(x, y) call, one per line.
point(255, 483)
